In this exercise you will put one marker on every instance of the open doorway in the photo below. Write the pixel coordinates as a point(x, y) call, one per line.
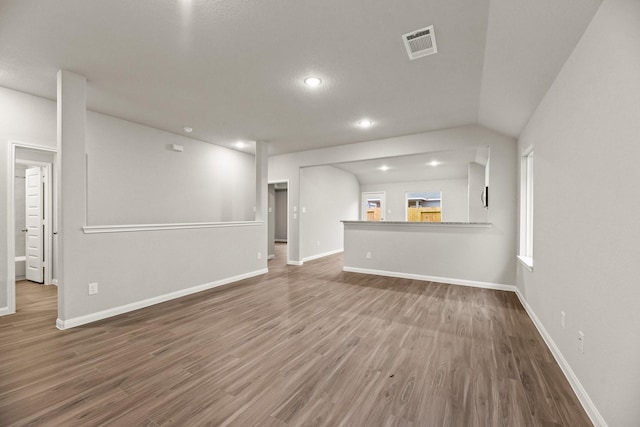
point(278, 225)
point(373, 206)
point(31, 251)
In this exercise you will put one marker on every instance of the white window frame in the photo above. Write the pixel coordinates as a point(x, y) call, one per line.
point(525, 253)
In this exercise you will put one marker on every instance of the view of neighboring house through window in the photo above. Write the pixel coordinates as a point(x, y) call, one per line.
point(526, 208)
point(424, 206)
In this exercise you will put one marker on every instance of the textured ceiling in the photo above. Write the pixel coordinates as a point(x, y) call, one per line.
point(233, 70)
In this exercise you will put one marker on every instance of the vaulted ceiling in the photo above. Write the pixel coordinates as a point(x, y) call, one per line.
point(234, 69)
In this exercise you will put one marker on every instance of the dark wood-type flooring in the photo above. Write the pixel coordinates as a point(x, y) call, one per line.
point(308, 345)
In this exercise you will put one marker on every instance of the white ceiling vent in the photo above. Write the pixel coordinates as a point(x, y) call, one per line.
point(420, 42)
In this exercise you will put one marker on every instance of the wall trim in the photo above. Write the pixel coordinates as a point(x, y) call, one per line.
point(5, 311)
point(292, 262)
point(126, 228)
point(576, 385)
point(272, 256)
point(322, 255)
point(447, 280)
point(54, 282)
point(21, 258)
point(104, 314)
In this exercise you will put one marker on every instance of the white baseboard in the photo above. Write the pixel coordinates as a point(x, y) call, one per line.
point(21, 258)
point(4, 311)
point(100, 315)
point(54, 282)
point(462, 282)
point(576, 385)
point(271, 256)
point(322, 255)
point(291, 262)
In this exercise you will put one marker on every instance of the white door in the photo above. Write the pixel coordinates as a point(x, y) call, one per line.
point(373, 206)
point(34, 212)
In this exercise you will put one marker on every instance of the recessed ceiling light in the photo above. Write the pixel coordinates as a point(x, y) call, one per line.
point(240, 144)
point(365, 123)
point(384, 168)
point(187, 129)
point(313, 81)
point(433, 163)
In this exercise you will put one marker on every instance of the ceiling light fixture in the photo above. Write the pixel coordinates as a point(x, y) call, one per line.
point(365, 123)
point(240, 144)
point(384, 168)
point(187, 129)
point(313, 81)
point(433, 163)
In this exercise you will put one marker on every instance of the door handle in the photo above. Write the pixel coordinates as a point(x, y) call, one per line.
point(24, 230)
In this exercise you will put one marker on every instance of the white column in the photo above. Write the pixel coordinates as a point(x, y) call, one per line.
point(71, 179)
point(262, 213)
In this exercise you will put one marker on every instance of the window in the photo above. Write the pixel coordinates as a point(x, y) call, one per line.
point(424, 206)
point(526, 208)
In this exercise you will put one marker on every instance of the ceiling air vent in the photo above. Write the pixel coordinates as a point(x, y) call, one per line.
point(420, 42)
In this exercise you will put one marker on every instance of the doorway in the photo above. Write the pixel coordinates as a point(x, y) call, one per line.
point(278, 225)
point(31, 211)
point(373, 206)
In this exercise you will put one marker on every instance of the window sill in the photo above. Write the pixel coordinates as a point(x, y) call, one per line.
point(527, 261)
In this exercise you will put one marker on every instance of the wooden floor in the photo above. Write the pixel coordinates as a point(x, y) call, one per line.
point(308, 345)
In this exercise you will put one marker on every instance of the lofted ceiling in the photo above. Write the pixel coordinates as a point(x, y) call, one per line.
point(234, 69)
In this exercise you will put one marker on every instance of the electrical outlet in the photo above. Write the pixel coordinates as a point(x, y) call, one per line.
point(562, 319)
point(259, 255)
point(368, 255)
point(581, 341)
point(93, 288)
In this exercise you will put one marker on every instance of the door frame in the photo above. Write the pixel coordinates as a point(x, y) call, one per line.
point(283, 181)
point(11, 238)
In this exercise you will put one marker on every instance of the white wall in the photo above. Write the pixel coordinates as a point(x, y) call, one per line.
point(327, 196)
point(446, 253)
point(135, 178)
point(498, 240)
point(454, 197)
point(586, 138)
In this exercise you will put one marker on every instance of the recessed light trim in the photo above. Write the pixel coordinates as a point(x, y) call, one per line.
point(313, 81)
point(384, 168)
point(433, 163)
point(240, 144)
point(365, 123)
point(187, 129)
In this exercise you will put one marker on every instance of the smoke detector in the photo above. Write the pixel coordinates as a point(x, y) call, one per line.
point(420, 42)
